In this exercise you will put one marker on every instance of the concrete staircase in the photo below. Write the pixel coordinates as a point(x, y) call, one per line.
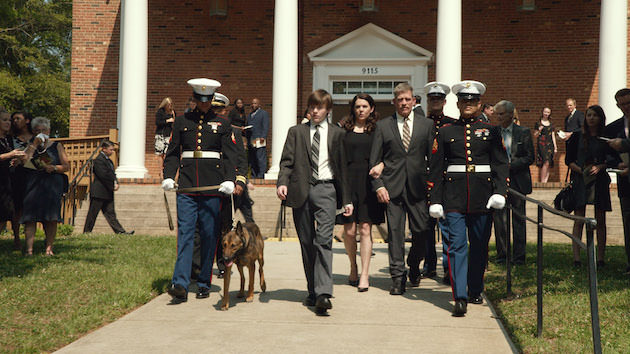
point(141, 208)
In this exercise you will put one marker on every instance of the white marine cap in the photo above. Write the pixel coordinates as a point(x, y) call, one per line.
point(203, 89)
point(436, 88)
point(469, 89)
point(220, 100)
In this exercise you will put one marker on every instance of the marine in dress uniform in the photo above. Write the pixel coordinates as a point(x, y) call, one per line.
point(436, 99)
point(468, 176)
point(202, 149)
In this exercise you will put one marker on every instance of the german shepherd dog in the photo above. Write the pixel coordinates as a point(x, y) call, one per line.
point(244, 246)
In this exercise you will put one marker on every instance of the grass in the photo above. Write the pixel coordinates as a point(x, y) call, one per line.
point(48, 302)
point(566, 306)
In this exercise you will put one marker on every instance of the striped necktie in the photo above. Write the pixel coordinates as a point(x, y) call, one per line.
point(406, 135)
point(315, 153)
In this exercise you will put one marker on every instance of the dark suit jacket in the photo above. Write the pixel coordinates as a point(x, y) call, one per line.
point(402, 168)
point(295, 164)
point(617, 129)
point(104, 177)
point(576, 122)
point(522, 156)
point(259, 123)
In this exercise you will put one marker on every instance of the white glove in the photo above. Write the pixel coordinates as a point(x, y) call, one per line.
point(227, 187)
point(436, 211)
point(496, 201)
point(168, 184)
point(43, 137)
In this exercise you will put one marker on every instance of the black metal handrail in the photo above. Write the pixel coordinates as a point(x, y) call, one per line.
point(590, 250)
point(70, 196)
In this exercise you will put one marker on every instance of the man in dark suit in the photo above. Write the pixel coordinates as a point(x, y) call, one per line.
point(313, 181)
point(620, 129)
point(573, 122)
point(520, 151)
point(259, 120)
point(102, 190)
point(403, 143)
point(487, 110)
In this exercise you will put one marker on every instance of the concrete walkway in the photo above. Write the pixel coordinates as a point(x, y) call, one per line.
point(370, 322)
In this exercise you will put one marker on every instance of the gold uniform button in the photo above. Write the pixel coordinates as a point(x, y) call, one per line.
point(467, 144)
point(198, 141)
point(199, 134)
point(469, 158)
point(202, 116)
point(200, 122)
point(467, 138)
point(199, 127)
point(467, 131)
point(198, 147)
point(467, 125)
point(468, 152)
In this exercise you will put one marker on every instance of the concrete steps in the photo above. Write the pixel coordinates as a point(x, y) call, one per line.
point(140, 207)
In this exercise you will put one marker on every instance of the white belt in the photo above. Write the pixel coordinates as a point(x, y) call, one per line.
point(468, 168)
point(201, 155)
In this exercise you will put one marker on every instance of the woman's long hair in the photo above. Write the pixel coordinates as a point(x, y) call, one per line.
point(349, 122)
point(586, 130)
point(165, 101)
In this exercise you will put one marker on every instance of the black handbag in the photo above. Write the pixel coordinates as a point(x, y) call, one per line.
point(565, 200)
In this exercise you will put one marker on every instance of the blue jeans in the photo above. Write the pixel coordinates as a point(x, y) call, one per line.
point(189, 209)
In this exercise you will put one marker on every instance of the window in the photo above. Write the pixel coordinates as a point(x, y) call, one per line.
point(528, 5)
point(218, 7)
point(368, 5)
point(370, 87)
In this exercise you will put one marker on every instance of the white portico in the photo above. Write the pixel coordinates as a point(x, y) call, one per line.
point(368, 60)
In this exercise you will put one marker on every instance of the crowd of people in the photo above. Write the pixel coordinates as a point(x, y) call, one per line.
point(33, 179)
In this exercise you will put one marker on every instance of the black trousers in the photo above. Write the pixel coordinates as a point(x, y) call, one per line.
point(518, 230)
point(107, 207)
point(625, 217)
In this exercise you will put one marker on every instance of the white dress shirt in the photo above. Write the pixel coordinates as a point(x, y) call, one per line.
point(324, 170)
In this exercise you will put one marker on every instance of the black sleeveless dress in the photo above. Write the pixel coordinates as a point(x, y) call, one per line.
point(366, 206)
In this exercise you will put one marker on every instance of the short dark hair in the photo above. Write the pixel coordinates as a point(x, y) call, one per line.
point(418, 99)
point(106, 143)
point(486, 105)
point(621, 93)
point(320, 97)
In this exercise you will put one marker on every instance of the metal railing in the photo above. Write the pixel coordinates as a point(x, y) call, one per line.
point(590, 251)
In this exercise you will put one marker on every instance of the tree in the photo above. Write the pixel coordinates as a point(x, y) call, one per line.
point(35, 47)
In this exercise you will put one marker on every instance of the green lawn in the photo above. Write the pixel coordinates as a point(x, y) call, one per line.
point(48, 302)
point(566, 307)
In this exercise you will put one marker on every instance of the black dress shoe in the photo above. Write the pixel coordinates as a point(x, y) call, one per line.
point(178, 293)
point(322, 304)
point(460, 308)
point(446, 279)
point(126, 232)
point(398, 285)
point(203, 293)
point(475, 299)
point(427, 273)
point(414, 280)
point(309, 301)
point(221, 274)
point(362, 290)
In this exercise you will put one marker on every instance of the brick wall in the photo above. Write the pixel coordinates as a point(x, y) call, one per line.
point(533, 58)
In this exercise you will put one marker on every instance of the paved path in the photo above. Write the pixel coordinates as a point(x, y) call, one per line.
point(370, 322)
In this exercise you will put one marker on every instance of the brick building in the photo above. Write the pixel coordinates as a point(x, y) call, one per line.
point(534, 53)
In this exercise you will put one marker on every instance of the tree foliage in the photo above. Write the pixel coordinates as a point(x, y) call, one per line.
point(35, 47)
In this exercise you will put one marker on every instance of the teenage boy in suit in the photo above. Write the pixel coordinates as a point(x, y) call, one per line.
point(312, 181)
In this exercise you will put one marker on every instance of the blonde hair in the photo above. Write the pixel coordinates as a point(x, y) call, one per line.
point(165, 101)
point(402, 87)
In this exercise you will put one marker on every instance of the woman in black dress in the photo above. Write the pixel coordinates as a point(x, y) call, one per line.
point(7, 154)
point(45, 185)
point(367, 210)
point(546, 145)
point(22, 134)
point(164, 118)
point(586, 158)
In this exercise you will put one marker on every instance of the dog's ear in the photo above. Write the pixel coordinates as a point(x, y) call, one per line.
point(239, 228)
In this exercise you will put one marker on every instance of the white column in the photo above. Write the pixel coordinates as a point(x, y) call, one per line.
point(613, 46)
point(132, 88)
point(448, 56)
point(285, 78)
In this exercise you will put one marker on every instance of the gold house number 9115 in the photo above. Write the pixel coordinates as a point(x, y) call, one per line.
point(369, 71)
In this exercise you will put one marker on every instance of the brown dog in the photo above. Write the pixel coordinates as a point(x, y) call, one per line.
point(243, 245)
